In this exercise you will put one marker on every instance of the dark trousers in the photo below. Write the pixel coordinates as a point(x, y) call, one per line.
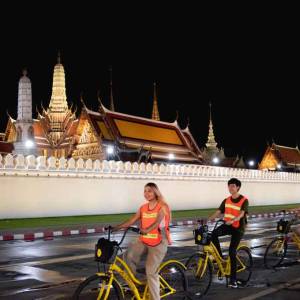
point(236, 237)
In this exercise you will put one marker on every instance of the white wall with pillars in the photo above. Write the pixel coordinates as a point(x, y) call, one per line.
point(37, 187)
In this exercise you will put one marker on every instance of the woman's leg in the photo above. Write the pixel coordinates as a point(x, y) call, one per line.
point(133, 254)
point(154, 258)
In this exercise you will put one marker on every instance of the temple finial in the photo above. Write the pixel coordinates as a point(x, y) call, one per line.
point(99, 98)
point(155, 112)
point(112, 105)
point(81, 100)
point(58, 57)
point(24, 72)
point(211, 142)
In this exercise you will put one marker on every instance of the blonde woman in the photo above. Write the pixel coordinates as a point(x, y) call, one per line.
point(154, 217)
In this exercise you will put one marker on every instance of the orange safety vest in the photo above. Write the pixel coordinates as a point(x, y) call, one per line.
point(232, 210)
point(148, 217)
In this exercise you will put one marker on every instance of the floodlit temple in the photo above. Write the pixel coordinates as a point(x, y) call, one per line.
point(213, 155)
point(104, 134)
point(51, 134)
point(277, 157)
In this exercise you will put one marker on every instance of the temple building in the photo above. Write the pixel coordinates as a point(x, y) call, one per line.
point(103, 134)
point(106, 134)
point(213, 155)
point(51, 134)
point(280, 158)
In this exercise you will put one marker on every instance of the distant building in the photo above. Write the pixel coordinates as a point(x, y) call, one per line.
point(281, 158)
point(213, 155)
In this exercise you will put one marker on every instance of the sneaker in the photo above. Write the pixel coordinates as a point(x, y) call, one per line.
point(233, 284)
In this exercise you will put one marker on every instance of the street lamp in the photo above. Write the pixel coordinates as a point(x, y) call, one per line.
point(215, 160)
point(110, 150)
point(171, 156)
point(279, 166)
point(251, 163)
point(29, 144)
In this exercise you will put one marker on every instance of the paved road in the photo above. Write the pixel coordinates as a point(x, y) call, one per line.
point(52, 269)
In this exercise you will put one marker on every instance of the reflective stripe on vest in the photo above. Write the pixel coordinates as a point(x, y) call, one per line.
point(232, 210)
point(148, 217)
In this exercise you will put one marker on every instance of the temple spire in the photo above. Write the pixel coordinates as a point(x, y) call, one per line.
point(58, 101)
point(24, 98)
point(211, 142)
point(25, 143)
point(58, 57)
point(112, 105)
point(155, 112)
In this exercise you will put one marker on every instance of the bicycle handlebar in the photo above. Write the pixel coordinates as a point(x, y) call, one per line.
point(133, 229)
point(217, 222)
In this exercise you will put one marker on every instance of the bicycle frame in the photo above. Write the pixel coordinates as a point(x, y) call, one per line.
point(296, 239)
point(120, 267)
point(223, 264)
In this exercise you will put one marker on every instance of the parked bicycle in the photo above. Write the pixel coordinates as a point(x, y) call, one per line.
point(277, 249)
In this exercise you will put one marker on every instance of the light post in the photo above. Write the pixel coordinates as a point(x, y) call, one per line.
point(215, 160)
point(171, 156)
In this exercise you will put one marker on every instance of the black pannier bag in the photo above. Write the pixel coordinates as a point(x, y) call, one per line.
point(202, 236)
point(283, 226)
point(106, 251)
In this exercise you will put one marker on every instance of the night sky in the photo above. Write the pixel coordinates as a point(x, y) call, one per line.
point(249, 70)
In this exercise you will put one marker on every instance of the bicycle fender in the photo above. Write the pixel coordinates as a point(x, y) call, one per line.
point(171, 261)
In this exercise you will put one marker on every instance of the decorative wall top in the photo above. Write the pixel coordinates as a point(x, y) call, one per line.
point(42, 166)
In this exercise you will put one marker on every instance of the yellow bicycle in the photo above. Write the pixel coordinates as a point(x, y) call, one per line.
point(277, 249)
point(118, 280)
point(202, 264)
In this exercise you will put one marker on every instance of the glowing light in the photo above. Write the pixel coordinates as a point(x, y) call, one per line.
point(29, 144)
point(251, 163)
point(110, 150)
point(171, 156)
point(215, 160)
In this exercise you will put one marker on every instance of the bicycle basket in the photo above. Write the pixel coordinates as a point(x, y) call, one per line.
point(106, 251)
point(283, 226)
point(202, 236)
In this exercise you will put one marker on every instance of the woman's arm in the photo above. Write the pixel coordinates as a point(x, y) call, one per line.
point(129, 222)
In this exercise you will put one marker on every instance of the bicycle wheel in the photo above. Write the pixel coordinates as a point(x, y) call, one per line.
point(174, 274)
point(244, 263)
point(197, 269)
point(93, 286)
point(275, 252)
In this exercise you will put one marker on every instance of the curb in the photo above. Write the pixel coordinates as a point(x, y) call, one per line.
point(49, 235)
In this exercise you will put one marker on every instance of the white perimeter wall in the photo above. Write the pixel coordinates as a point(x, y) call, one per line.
point(37, 190)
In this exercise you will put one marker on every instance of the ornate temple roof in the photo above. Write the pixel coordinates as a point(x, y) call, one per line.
point(162, 138)
point(280, 157)
point(287, 155)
